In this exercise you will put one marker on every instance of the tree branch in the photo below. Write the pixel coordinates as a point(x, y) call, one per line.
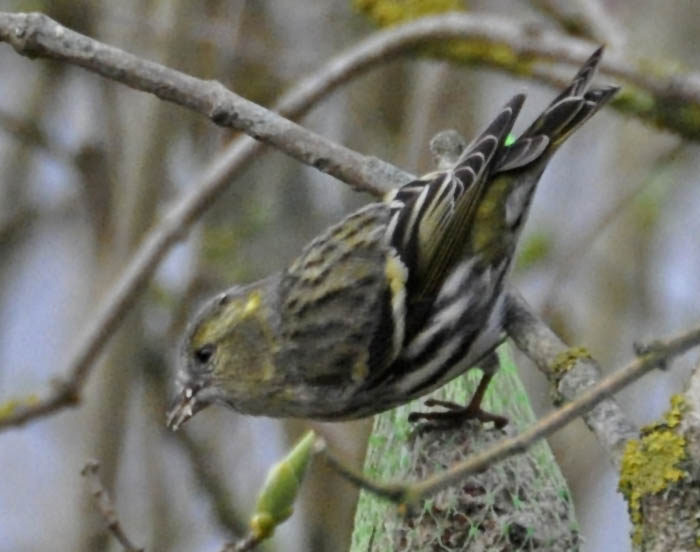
point(105, 506)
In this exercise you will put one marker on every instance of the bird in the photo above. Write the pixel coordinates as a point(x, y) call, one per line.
point(394, 301)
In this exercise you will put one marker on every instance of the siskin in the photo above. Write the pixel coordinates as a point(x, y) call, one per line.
point(395, 300)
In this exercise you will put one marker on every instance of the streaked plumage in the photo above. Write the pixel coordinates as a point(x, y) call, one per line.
point(395, 300)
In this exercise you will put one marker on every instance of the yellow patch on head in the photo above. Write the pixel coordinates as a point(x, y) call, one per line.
point(207, 331)
point(220, 321)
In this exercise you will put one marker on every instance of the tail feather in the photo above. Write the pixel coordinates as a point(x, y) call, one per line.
point(593, 101)
point(566, 113)
point(584, 76)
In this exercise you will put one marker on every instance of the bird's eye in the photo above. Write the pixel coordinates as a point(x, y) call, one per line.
point(204, 353)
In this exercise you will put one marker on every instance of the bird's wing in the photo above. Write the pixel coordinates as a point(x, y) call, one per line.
point(432, 217)
point(342, 301)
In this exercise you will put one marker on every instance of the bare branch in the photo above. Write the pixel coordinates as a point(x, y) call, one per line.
point(105, 506)
point(38, 35)
point(29, 132)
point(659, 354)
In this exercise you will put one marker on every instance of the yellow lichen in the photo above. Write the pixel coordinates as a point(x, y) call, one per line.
point(391, 12)
point(9, 407)
point(486, 52)
point(652, 463)
point(635, 100)
point(566, 360)
point(675, 414)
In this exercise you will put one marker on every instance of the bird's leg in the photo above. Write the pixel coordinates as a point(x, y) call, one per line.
point(456, 413)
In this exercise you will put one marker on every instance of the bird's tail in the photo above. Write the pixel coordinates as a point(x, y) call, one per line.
point(516, 171)
point(566, 113)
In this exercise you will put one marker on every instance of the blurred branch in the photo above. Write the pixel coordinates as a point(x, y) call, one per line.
point(105, 506)
point(16, 222)
point(584, 18)
point(213, 485)
point(250, 542)
point(38, 35)
point(664, 98)
point(655, 355)
point(570, 259)
point(30, 133)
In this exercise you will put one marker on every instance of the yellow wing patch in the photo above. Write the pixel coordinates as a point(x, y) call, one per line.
point(397, 275)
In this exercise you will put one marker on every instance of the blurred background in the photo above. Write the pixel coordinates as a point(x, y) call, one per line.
point(610, 255)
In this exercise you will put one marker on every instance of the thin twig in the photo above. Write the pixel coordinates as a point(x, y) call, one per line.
point(213, 485)
point(29, 132)
point(105, 506)
point(409, 494)
point(246, 544)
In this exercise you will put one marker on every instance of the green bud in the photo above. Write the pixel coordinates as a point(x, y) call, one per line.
point(276, 500)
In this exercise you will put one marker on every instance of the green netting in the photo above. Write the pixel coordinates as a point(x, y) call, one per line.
point(522, 503)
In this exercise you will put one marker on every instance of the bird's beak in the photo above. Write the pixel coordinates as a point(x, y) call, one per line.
point(183, 407)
